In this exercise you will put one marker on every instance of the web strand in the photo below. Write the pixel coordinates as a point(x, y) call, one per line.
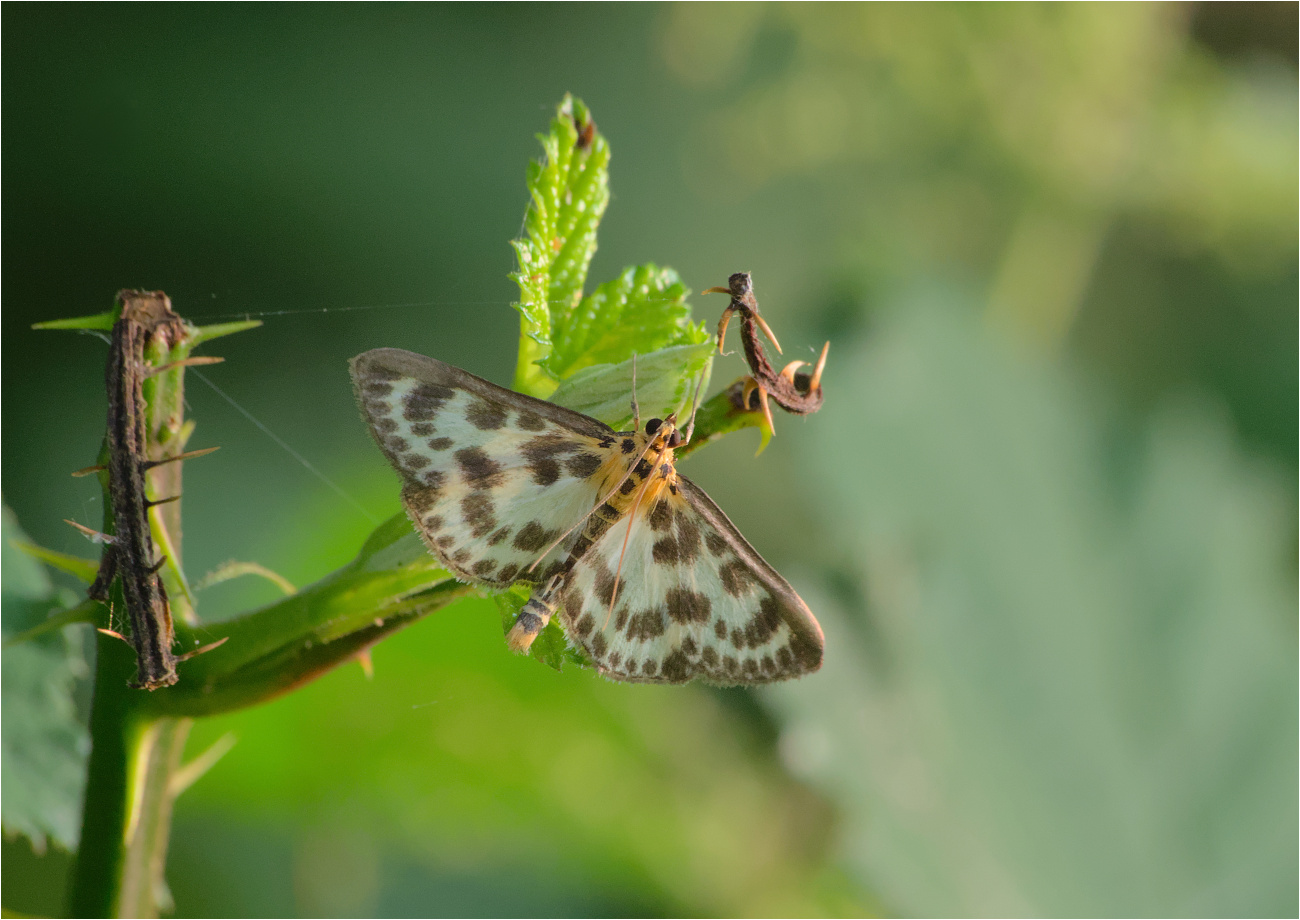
point(258, 314)
point(331, 484)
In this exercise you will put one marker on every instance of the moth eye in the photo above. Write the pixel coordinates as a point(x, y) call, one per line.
point(675, 439)
point(653, 425)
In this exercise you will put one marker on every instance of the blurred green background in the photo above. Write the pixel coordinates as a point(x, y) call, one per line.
point(1047, 517)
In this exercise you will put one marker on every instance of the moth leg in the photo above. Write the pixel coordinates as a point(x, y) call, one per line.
point(535, 615)
point(695, 407)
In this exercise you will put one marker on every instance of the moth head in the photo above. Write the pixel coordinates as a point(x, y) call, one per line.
point(666, 429)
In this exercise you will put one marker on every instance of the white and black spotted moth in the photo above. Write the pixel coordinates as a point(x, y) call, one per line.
point(505, 488)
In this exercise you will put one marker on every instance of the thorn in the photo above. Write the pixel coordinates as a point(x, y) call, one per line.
point(367, 663)
point(815, 381)
point(161, 501)
point(767, 330)
point(188, 455)
point(767, 410)
point(722, 327)
point(234, 569)
point(716, 290)
point(157, 566)
point(184, 362)
point(747, 391)
point(199, 651)
point(115, 635)
point(95, 535)
point(88, 470)
point(186, 776)
point(788, 371)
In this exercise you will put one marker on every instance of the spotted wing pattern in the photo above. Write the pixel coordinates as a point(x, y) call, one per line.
point(489, 477)
point(693, 599)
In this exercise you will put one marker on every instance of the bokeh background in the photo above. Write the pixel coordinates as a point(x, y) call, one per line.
point(1047, 517)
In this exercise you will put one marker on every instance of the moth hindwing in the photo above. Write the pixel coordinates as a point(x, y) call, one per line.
point(646, 574)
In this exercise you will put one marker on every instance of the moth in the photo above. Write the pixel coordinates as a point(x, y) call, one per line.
point(646, 574)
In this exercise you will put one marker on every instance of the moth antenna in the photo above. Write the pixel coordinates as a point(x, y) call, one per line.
point(631, 519)
point(606, 497)
point(695, 407)
point(816, 378)
point(636, 410)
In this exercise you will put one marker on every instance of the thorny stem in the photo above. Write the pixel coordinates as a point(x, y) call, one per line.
point(126, 815)
point(101, 854)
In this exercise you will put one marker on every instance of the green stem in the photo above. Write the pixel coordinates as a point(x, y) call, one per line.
point(157, 757)
point(307, 643)
point(101, 854)
point(529, 377)
point(127, 813)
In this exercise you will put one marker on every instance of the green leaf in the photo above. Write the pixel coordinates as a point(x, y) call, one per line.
point(87, 611)
point(665, 383)
point(569, 188)
point(641, 310)
point(83, 570)
point(45, 745)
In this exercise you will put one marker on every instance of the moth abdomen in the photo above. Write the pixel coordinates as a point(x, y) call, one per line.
point(534, 616)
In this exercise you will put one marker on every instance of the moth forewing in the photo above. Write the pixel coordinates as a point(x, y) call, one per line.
point(489, 477)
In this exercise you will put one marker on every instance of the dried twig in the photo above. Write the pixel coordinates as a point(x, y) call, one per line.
point(146, 316)
point(794, 388)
